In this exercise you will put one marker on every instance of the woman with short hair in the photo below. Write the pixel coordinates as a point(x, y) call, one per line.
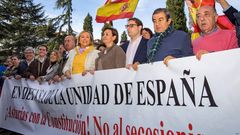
point(113, 56)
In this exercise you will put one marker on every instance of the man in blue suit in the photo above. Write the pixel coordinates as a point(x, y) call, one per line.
point(136, 48)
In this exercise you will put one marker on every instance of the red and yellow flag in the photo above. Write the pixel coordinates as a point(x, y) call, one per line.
point(116, 9)
point(222, 21)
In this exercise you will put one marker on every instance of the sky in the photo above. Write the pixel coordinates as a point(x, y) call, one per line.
point(81, 8)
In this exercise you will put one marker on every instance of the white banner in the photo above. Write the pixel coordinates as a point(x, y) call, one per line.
point(189, 97)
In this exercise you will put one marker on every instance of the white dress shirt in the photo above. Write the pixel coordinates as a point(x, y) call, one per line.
point(132, 49)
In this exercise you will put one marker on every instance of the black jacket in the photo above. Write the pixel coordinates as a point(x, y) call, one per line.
point(141, 53)
point(234, 16)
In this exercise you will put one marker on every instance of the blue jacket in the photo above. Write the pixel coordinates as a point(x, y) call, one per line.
point(176, 44)
point(2, 70)
point(141, 53)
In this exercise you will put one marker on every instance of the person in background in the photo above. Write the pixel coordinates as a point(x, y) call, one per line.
point(211, 37)
point(8, 64)
point(233, 15)
point(113, 56)
point(81, 58)
point(147, 33)
point(136, 48)
point(69, 44)
point(18, 68)
point(39, 66)
point(52, 69)
point(3, 70)
point(101, 47)
point(29, 54)
point(167, 43)
point(61, 50)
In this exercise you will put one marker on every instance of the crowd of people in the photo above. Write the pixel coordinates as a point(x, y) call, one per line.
point(80, 56)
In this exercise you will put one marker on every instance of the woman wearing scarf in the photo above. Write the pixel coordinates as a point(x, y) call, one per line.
point(113, 56)
point(167, 42)
point(81, 58)
point(52, 69)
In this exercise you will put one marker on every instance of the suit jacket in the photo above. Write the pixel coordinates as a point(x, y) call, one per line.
point(37, 68)
point(141, 53)
point(229, 13)
point(234, 16)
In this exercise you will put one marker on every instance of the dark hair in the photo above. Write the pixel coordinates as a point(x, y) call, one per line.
point(137, 21)
point(114, 33)
point(101, 45)
point(148, 30)
point(163, 10)
point(43, 45)
point(15, 55)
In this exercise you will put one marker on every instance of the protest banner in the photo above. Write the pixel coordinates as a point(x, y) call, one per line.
point(189, 97)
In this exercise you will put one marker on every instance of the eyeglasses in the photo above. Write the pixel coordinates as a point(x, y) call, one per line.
point(130, 25)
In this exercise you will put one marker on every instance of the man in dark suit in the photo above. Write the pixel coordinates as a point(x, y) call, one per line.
point(233, 15)
point(69, 44)
point(136, 48)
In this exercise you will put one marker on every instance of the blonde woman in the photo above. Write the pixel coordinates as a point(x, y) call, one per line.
point(82, 57)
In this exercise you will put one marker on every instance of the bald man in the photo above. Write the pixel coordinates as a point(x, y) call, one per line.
point(212, 38)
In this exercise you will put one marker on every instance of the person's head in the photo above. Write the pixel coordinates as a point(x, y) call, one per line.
point(69, 42)
point(110, 36)
point(8, 62)
point(85, 39)
point(134, 27)
point(61, 49)
point(54, 56)
point(147, 33)
point(42, 50)
point(15, 60)
point(101, 47)
point(206, 19)
point(29, 53)
point(161, 19)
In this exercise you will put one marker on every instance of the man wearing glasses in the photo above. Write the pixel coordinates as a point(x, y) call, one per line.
point(136, 48)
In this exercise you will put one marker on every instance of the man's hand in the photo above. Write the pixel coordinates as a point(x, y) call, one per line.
point(189, 3)
point(134, 66)
point(68, 74)
point(200, 53)
point(223, 3)
point(32, 78)
point(18, 77)
point(167, 59)
point(40, 80)
point(56, 78)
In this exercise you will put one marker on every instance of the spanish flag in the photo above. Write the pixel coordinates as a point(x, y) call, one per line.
point(116, 9)
point(222, 21)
